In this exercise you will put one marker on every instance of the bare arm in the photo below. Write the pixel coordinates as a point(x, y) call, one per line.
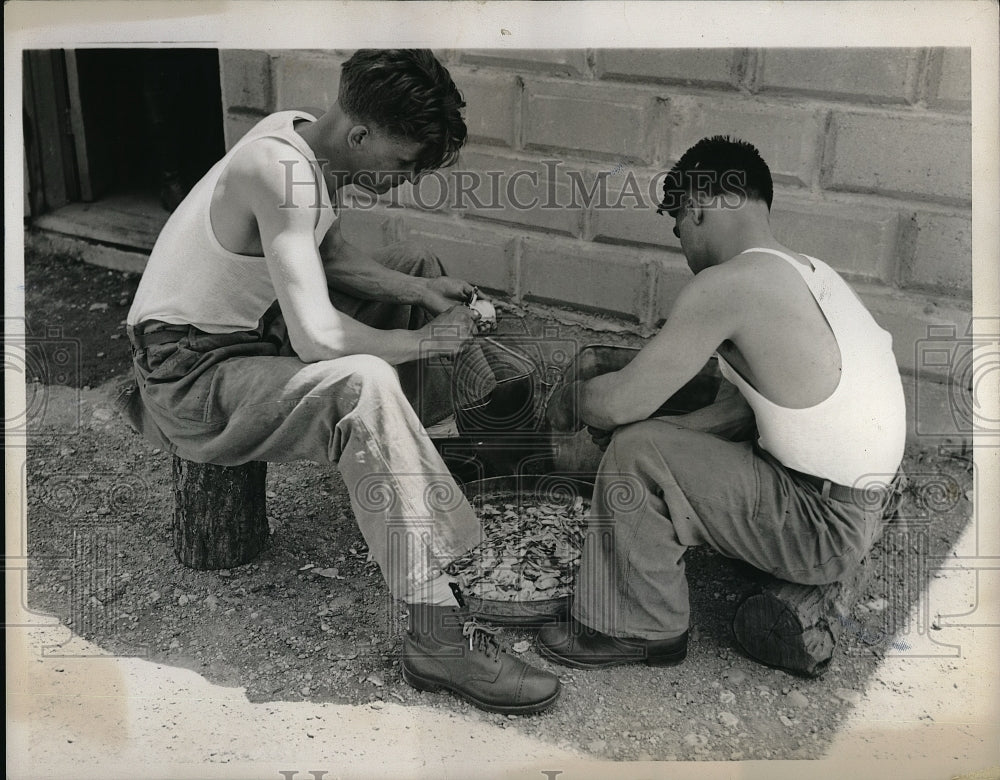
point(352, 270)
point(728, 416)
point(703, 317)
point(316, 329)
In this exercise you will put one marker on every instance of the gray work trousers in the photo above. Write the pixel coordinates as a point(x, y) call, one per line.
point(662, 488)
point(237, 397)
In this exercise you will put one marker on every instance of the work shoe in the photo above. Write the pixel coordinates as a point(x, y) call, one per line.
point(445, 649)
point(574, 644)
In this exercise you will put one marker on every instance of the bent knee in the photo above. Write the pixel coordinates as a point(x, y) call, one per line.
point(422, 255)
point(658, 441)
point(372, 370)
point(646, 433)
point(416, 258)
point(365, 374)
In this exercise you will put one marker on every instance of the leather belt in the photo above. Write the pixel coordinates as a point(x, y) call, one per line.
point(861, 496)
point(153, 332)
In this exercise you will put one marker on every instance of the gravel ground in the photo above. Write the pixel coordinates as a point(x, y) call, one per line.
point(99, 508)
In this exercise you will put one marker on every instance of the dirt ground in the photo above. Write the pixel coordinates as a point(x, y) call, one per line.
point(101, 560)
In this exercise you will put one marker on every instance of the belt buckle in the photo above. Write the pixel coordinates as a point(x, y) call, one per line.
point(133, 338)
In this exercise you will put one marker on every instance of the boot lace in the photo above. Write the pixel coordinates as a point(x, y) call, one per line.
point(482, 638)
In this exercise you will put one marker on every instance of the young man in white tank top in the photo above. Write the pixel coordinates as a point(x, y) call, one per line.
point(225, 376)
point(805, 364)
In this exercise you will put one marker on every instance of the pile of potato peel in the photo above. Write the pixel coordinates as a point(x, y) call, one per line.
point(530, 551)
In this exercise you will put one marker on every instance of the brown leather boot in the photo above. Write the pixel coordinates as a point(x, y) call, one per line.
point(446, 649)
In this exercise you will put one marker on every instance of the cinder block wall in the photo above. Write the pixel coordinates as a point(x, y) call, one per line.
point(870, 150)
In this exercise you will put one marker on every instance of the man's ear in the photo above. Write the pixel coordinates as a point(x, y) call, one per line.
point(356, 136)
point(695, 210)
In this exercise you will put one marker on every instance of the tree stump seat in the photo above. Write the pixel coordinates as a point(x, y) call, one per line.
point(796, 627)
point(220, 513)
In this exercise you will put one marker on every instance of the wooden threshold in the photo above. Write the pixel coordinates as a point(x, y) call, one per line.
point(131, 221)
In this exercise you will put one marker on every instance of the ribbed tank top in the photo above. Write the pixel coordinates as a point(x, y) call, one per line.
point(857, 434)
point(191, 278)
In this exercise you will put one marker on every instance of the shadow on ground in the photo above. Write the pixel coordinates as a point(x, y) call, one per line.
point(101, 560)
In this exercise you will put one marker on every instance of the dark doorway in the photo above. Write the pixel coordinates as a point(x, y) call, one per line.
point(114, 138)
point(113, 123)
point(151, 119)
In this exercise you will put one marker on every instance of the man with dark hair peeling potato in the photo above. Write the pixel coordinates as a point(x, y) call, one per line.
point(803, 359)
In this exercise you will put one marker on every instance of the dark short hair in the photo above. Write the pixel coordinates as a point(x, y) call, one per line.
point(715, 166)
point(408, 93)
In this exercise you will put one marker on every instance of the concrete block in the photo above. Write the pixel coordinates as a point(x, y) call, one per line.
point(592, 277)
point(859, 241)
point(246, 79)
point(514, 190)
point(491, 105)
point(868, 75)
point(481, 255)
point(560, 62)
point(709, 67)
point(942, 258)
point(592, 120)
point(444, 56)
point(912, 319)
point(898, 155)
point(950, 83)
point(936, 413)
point(306, 80)
point(237, 124)
point(672, 275)
point(624, 211)
point(788, 137)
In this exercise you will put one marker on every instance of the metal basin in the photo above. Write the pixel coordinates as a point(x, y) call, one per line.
point(523, 490)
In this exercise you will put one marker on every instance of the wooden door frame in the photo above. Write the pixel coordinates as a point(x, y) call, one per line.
point(49, 142)
point(79, 129)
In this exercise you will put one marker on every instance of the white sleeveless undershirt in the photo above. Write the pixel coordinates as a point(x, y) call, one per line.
point(857, 434)
point(191, 278)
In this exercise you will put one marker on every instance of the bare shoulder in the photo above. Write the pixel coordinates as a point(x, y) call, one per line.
point(316, 113)
point(764, 264)
point(264, 161)
point(713, 294)
point(734, 291)
point(264, 170)
point(724, 280)
point(760, 274)
point(770, 291)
